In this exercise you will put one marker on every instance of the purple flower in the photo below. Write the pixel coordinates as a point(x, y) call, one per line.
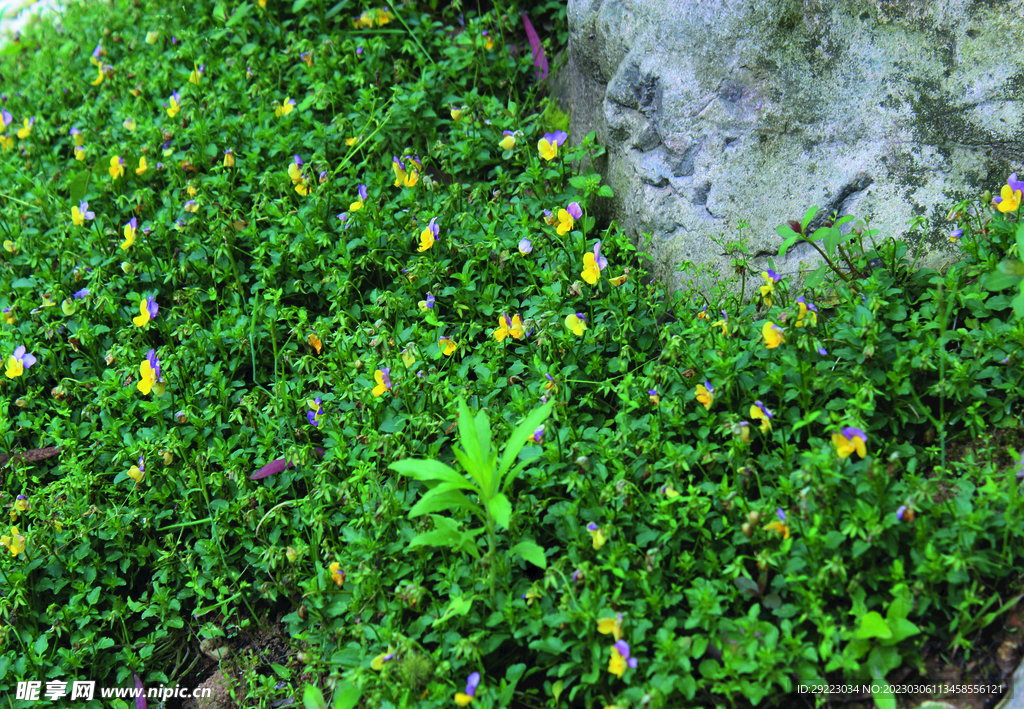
point(385, 374)
point(900, 511)
point(323, 176)
point(473, 682)
point(152, 307)
point(550, 378)
point(592, 527)
point(764, 409)
point(850, 432)
point(822, 351)
point(359, 50)
point(154, 362)
point(298, 160)
point(525, 246)
point(430, 300)
point(538, 434)
point(581, 316)
point(7, 118)
point(96, 52)
point(652, 392)
point(394, 159)
point(602, 262)
point(558, 137)
point(574, 210)
point(26, 360)
point(314, 416)
point(82, 293)
point(781, 514)
point(362, 193)
point(623, 648)
point(576, 576)
point(83, 208)
point(707, 385)
point(774, 276)
point(433, 226)
point(957, 233)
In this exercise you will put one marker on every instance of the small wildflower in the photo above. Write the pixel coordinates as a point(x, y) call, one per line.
point(448, 344)
point(706, 394)
point(141, 169)
point(152, 37)
point(464, 698)
point(850, 440)
point(81, 294)
point(129, 233)
point(285, 108)
point(760, 411)
point(508, 141)
point(116, 168)
point(428, 235)
point(612, 626)
point(14, 542)
point(427, 304)
point(771, 278)
point(773, 335)
point(597, 535)
point(359, 203)
point(525, 246)
point(383, 379)
point(548, 145)
point(18, 362)
point(509, 326)
point(808, 311)
point(81, 214)
point(488, 41)
point(337, 575)
point(26, 130)
point(653, 394)
point(1010, 196)
point(136, 472)
point(229, 158)
point(576, 322)
point(129, 124)
point(175, 104)
point(377, 663)
point(147, 311)
point(620, 659)
point(955, 236)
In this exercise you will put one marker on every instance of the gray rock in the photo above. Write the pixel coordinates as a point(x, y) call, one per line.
point(1014, 697)
point(715, 112)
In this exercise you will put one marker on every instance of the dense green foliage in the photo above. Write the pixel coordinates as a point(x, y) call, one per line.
point(751, 494)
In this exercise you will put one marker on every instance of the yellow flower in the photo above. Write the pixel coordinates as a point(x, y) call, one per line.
point(759, 411)
point(565, 222)
point(506, 327)
point(462, 699)
point(136, 474)
point(116, 168)
point(229, 158)
point(141, 169)
point(598, 536)
point(429, 235)
point(611, 625)
point(722, 324)
point(576, 323)
point(773, 336)
point(408, 359)
point(706, 394)
point(548, 145)
point(174, 106)
point(196, 74)
point(10, 247)
point(1010, 198)
point(129, 233)
point(618, 280)
point(143, 318)
point(314, 342)
point(456, 114)
point(383, 379)
point(192, 191)
point(147, 377)
point(508, 141)
point(779, 527)
point(99, 69)
point(352, 141)
point(377, 663)
point(806, 312)
point(591, 273)
point(669, 492)
point(768, 288)
point(448, 344)
point(7, 142)
point(285, 108)
point(27, 130)
point(77, 218)
point(79, 154)
point(14, 542)
point(129, 124)
point(337, 575)
point(850, 440)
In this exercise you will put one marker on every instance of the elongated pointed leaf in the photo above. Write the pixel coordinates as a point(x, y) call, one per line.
point(425, 469)
point(519, 437)
point(807, 219)
point(540, 60)
point(276, 466)
point(501, 509)
point(467, 434)
point(478, 472)
point(443, 501)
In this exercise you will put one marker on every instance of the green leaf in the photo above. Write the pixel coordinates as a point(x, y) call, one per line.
point(470, 440)
point(239, 14)
point(997, 280)
point(519, 438)
point(346, 695)
point(578, 181)
point(605, 191)
point(501, 509)
point(248, 49)
point(815, 279)
point(78, 185)
point(807, 219)
point(458, 606)
point(298, 5)
point(901, 628)
point(424, 469)
point(532, 552)
point(790, 237)
point(220, 13)
point(441, 499)
point(12, 49)
point(1010, 267)
point(312, 698)
point(1018, 303)
point(872, 625)
point(336, 9)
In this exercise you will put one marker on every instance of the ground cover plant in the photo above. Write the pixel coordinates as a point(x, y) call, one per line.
point(357, 401)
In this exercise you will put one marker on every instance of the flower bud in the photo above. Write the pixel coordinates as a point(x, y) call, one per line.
point(21, 402)
point(127, 268)
point(168, 457)
point(68, 307)
point(748, 531)
point(152, 37)
point(292, 553)
point(181, 416)
point(754, 517)
point(357, 365)
point(986, 196)
point(584, 462)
